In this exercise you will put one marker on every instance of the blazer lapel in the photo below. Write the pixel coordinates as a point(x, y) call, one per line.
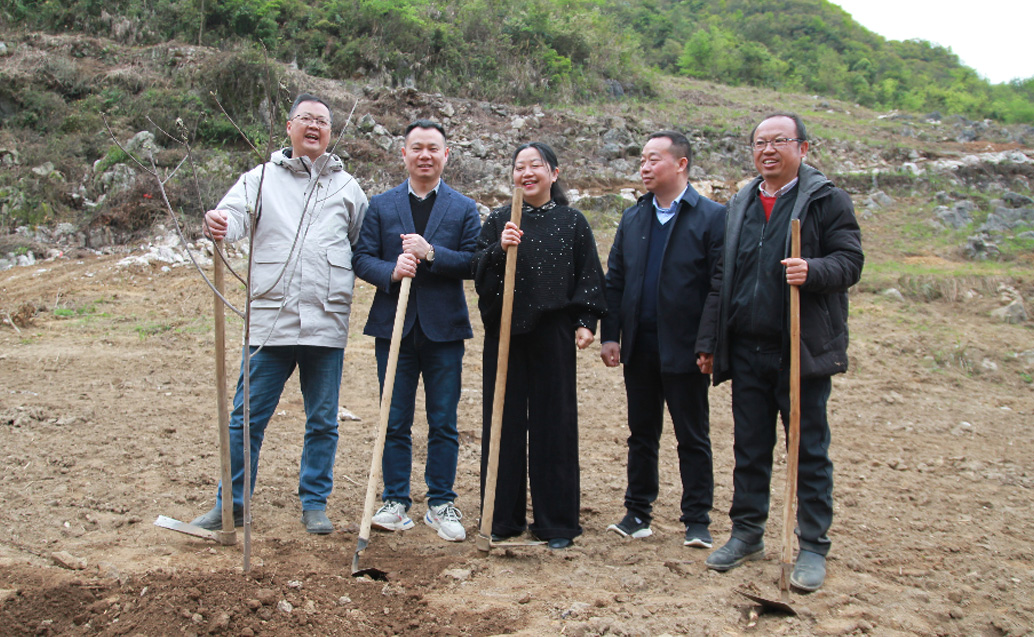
point(438, 210)
point(402, 209)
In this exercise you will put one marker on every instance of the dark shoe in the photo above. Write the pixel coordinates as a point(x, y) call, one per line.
point(632, 526)
point(558, 543)
point(809, 572)
point(734, 553)
point(496, 537)
point(316, 522)
point(213, 520)
point(698, 536)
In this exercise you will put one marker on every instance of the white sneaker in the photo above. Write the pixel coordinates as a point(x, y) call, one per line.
point(445, 518)
point(392, 517)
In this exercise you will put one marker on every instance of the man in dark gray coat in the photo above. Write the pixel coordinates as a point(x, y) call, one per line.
point(744, 336)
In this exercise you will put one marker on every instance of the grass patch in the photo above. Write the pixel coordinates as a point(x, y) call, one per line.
point(82, 310)
point(927, 280)
point(151, 329)
point(114, 156)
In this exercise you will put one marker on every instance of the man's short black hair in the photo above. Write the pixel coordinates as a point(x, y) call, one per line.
point(679, 144)
point(425, 123)
point(802, 134)
point(308, 97)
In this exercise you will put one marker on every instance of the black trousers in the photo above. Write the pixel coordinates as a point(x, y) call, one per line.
point(760, 391)
point(648, 389)
point(539, 438)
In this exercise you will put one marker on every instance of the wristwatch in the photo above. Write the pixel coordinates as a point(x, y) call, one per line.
point(430, 255)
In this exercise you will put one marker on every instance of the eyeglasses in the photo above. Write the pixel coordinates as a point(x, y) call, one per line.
point(778, 142)
point(308, 120)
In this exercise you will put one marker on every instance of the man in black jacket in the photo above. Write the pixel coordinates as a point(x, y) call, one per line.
point(744, 336)
point(659, 273)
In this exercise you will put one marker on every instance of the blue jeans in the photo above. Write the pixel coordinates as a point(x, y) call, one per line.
point(441, 365)
point(319, 372)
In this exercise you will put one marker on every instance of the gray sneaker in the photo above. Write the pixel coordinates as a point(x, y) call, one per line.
point(317, 522)
point(734, 553)
point(445, 518)
point(213, 520)
point(392, 517)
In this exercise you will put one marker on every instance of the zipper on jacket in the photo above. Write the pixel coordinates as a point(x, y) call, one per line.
point(757, 281)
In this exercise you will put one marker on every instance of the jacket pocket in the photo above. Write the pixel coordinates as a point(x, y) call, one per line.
point(268, 276)
point(340, 280)
point(817, 324)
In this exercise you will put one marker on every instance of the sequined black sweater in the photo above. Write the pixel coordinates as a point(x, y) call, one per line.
point(558, 269)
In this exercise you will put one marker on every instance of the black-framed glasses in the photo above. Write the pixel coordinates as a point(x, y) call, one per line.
point(778, 142)
point(308, 120)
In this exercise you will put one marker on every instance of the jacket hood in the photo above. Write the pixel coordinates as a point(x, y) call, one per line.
point(324, 164)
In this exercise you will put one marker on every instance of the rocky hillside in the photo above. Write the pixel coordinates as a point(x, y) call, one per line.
point(77, 172)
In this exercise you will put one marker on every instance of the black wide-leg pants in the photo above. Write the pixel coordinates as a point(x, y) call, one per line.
point(539, 437)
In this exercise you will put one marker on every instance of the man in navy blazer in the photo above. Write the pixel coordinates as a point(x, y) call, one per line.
point(658, 276)
point(425, 230)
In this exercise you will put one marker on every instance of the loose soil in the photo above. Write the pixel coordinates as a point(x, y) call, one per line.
point(108, 419)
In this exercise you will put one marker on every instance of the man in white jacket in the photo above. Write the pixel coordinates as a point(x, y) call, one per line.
point(309, 212)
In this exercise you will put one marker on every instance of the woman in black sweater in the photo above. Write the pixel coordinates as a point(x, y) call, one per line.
point(558, 299)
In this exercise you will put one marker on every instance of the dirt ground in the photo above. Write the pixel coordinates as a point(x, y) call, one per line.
point(107, 420)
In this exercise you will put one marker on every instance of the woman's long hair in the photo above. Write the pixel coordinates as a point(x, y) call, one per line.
point(556, 190)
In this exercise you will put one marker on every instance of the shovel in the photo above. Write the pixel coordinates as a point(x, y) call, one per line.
point(382, 433)
point(228, 535)
point(484, 539)
point(793, 437)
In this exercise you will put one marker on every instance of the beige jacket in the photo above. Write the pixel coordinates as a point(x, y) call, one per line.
point(310, 217)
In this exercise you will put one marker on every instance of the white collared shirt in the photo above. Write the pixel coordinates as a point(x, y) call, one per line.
point(664, 215)
point(782, 191)
point(433, 191)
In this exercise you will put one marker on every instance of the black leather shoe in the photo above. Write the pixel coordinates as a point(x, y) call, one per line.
point(558, 543)
point(317, 522)
point(213, 520)
point(809, 573)
point(734, 553)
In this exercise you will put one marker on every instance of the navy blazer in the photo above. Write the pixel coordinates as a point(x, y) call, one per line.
point(437, 296)
point(690, 257)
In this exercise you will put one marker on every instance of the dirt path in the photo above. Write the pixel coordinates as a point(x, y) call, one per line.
point(107, 421)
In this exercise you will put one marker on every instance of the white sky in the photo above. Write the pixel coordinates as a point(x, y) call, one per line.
point(991, 36)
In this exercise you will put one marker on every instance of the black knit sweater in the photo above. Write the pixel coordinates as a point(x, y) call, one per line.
point(558, 269)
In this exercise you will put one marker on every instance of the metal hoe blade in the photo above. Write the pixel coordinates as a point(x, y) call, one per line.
point(183, 527)
point(484, 543)
point(372, 573)
point(770, 604)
